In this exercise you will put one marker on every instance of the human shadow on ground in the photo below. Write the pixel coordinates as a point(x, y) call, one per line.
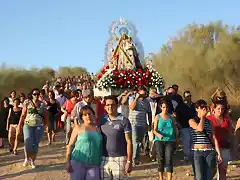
point(178, 161)
point(145, 166)
point(10, 163)
point(139, 177)
point(40, 168)
point(237, 177)
point(13, 159)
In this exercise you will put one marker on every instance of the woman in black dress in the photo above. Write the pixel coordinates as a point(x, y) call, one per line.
point(5, 106)
point(53, 109)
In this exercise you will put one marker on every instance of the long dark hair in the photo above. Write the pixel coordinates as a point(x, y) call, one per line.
point(84, 109)
point(223, 103)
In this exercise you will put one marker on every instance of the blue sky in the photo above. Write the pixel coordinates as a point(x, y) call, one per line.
point(38, 33)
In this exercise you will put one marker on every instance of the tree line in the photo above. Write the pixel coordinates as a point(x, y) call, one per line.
point(202, 57)
point(24, 80)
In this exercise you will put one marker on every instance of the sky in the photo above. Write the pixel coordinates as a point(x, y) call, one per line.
point(54, 33)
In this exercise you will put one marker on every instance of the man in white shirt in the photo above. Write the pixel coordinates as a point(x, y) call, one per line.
point(88, 97)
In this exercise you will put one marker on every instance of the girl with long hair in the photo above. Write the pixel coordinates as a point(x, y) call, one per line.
point(223, 132)
point(165, 132)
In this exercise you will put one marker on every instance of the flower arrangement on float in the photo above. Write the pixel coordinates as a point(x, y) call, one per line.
point(113, 78)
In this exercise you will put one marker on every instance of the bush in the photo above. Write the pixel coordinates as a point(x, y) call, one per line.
point(23, 80)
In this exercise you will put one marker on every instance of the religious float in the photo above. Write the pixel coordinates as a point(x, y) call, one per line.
point(125, 66)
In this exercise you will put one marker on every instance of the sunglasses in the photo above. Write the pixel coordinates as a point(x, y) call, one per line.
point(36, 94)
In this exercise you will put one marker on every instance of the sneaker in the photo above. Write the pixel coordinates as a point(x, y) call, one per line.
point(136, 162)
point(32, 163)
point(25, 163)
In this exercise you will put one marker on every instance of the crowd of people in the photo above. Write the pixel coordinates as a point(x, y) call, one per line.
point(105, 136)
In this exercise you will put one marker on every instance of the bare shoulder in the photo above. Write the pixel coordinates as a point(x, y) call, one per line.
point(157, 116)
point(79, 128)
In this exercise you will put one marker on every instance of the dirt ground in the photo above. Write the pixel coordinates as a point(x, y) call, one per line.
point(51, 165)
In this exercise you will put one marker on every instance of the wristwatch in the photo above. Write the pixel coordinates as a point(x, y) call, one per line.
point(129, 161)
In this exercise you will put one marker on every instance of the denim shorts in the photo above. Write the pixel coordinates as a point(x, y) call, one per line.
point(32, 136)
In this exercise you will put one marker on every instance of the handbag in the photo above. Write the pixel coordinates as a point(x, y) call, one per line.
point(64, 116)
point(33, 120)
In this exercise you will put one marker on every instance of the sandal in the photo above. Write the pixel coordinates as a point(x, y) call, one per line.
point(15, 152)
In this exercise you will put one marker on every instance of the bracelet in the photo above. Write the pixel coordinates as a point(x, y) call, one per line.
point(129, 162)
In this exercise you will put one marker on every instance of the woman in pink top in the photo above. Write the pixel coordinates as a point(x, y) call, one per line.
point(223, 132)
point(67, 108)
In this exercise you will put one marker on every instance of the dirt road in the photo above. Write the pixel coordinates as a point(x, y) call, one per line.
point(51, 165)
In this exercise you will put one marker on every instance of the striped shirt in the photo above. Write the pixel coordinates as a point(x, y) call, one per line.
point(139, 116)
point(201, 137)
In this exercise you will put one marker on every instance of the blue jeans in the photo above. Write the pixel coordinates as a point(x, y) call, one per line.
point(186, 141)
point(204, 164)
point(32, 136)
point(138, 134)
point(164, 154)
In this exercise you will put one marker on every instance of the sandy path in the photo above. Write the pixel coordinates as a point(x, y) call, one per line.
point(51, 165)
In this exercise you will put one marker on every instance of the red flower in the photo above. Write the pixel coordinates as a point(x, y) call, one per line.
point(124, 72)
point(116, 73)
point(99, 76)
point(145, 82)
point(140, 71)
point(120, 81)
point(139, 83)
point(147, 73)
point(132, 82)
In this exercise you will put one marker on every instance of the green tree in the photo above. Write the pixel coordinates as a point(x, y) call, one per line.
point(201, 58)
